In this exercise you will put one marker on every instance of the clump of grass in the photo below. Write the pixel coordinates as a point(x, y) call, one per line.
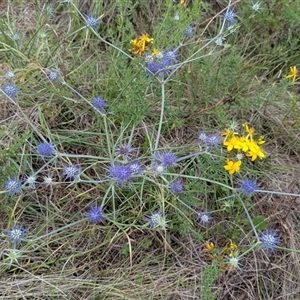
point(139, 146)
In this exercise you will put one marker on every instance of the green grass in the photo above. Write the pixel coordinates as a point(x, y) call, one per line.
point(65, 256)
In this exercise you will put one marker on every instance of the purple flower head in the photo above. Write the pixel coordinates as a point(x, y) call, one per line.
point(71, 172)
point(45, 149)
point(269, 240)
point(204, 218)
point(10, 91)
point(169, 57)
point(91, 21)
point(12, 186)
point(230, 17)
point(121, 174)
point(136, 168)
point(125, 151)
point(16, 234)
point(213, 140)
point(166, 159)
point(99, 104)
point(158, 69)
point(176, 186)
point(95, 214)
point(157, 220)
point(247, 187)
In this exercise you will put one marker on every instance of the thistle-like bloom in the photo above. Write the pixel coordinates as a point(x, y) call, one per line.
point(209, 140)
point(99, 104)
point(204, 218)
point(16, 234)
point(166, 159)
point(230, 17)
point(293, 73)
point(248, 186)
point(161, 63)
point(31, 181)
point(176, 186)
point(269, 240)
point(233, 261)
point(71, 172)
point(157, 221)
point(9, 74)
point(53, 75)
point(121, 174)
point(91, 21)
point(10, 90)
point(136, 168)
point(12, 186)
point(189, 32)
point(125, 151)
point(46, 149)
point(256, 6)
point(95, 214)
point(48, 180)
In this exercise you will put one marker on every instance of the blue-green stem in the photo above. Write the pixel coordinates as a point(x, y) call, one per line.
point(162, 109)
point(59, 229)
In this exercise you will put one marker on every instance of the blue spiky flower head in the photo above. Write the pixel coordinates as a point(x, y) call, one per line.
point(229, 16)
point(53, 75)
point(248, 187)
point(204, 218)
point(157, 221)
point(99, 104)
point(46, 149)
point(16, 234)
point(71, 172)
point(120, 174)
point(95, 214)
point(91, 21)
point(13, 186)
point(269, 240)
point(189, 31)
point(10, 90)
point(136, 168)
point(125, 151)
point(167, 159)
point(176, 186)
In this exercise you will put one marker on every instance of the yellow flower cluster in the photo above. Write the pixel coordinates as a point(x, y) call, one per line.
point(140, 45)
point(245, 145)
point(222, 255)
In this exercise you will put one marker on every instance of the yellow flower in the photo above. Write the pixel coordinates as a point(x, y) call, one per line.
point(231, 143)
point(139, 46)
point(293, 73)
point(209, 247)
point(232, 166)
point(255, 151)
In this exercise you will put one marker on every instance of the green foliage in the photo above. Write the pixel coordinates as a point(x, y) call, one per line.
point(209, 276)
